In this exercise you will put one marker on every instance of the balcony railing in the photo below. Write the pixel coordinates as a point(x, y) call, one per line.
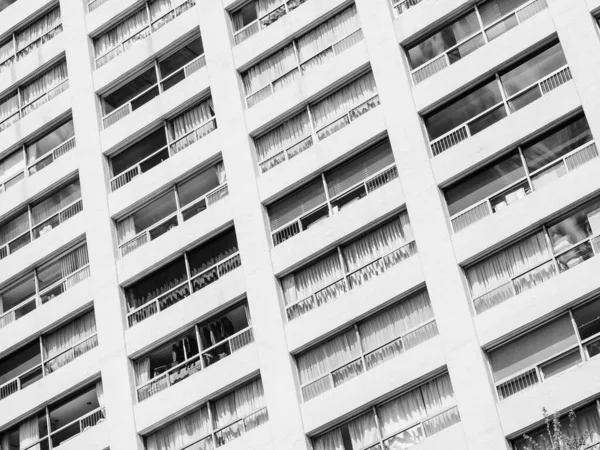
point(162, 154)
point(241, 426)
point(512, 104)
point(182, 290)
point(38, 230)
point(475, 40)
point(524, 186)
point(75, 428)
point(69, 355)
point(265, 20)
point(194, 364)
point(39, 41)
point(172, 220)
point(347, 118)
point(381, 178)
point(401, 6)
point(152, 27)
point(25, 379)
point(51, 156)
point(63, 285)
point(95, 4)
point(350, 281)
point(45, 97)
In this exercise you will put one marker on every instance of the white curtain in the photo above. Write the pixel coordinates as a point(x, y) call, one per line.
point(4, 442)
point(269, 69)
point(29, 433)
point(265, 6)
point(65, 338)
point(191, 119)
point(38, 29)
point(114, 37)
point(238, 404)
point(126, 229)
point(220, 171)
point(142, 371)
point(363, 431)
point(6, 51)
point(394, 322)
point(378, 243)
point(316, 276)
point(344, 100)
point(502, 266)
point(328, 33)
point(282, 137)
point(182, 432)
point(328, 356)
point(43, 84)
point(401, 412)
point(438, 394)
point(159, 8)
point(9, 107)
point(72, 262)
point(329, 441)
point(14, 228)
point(100, 393)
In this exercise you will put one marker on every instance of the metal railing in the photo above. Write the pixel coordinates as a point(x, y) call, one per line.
point(57, 218)
point(177, 293)
point(374, 182)
point(484, 208)
point(64, 284)
point(16, 384)
point(142, 238)
point(401, 6)
point(341, 122)
point(45, 97)
point(190, 68)
point(193, 364)
point(176, 11)
point(77, 427)
point(463, 132)
point(350, 280)
point(70, 354)
point(18, 311)
point(124, 110)
point(241, 426)
point(265, 20)
point(478, 39)
point(51, 156)
point(519, 383)
point(39, 41)
point(162, 154)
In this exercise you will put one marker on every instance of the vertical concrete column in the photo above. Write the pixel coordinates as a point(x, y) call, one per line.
point(578, 35)
point(464, 358)
point(117, 374)
point(251, 227)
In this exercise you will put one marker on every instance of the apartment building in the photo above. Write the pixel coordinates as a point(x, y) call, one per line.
point(298, 224)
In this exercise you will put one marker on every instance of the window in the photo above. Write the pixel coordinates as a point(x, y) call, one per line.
point(348, 267)
point(573, 239)
point(177, 134)
point(319, 121)
point(257, 15)
point(66, 419)
point(24, 41)
point(404, 421)
point(231, 416)
point(505, 94)
point(528, 168)
point(484, 23)
point(32, 95)
point(28, 364)
point(331, 192)
point(323, 43)
point(46, 282)
point(366, 345)
point(138, 26)
point(40, 218)
point(170, 284)
point(586, 426)
point(182, 202)
point(193, 351)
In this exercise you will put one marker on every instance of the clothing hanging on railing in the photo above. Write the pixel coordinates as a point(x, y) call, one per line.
point(39, 28)
point(44, 83)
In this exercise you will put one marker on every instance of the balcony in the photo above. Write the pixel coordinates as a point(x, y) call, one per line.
point(34, 157)
point(185, 201)
point(136, 28)
point(194, 351)
point(481, 25)
point(43, 285)
point(59, 349)
point(331, 192)
point(401, 6)
point(504, 95)
point(162, 144)
point(528, 169)
point(316, 123)
point(189, 273)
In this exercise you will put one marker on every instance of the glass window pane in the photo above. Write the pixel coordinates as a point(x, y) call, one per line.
point(557, 143)
point(73, 408)
point(487, 120)
point(561, 364)
point(157, 283)
point(15, 294)
point(462, 109)
point(212, 252)
point(493, 10)
point(533, 69)
point(11, 166)
point(484, 183)
point(138, 151)
point(587, 319)
point(244, 16)
point(576, 227)
point(197, 186)
point(442, 40)
point(130, 90)
point(50, 141)
point(55, 203)
point(181, 57)
point(20, 362)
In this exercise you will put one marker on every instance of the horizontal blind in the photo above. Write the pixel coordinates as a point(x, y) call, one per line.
point(359, 169)
point(296, 204)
